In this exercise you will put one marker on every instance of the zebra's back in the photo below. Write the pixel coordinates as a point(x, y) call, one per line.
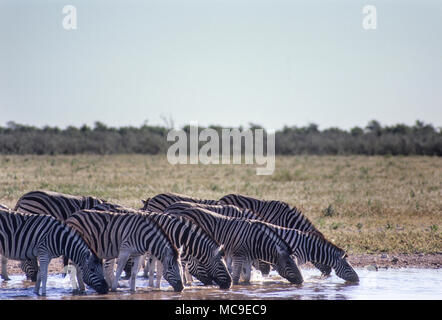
point(161, 201)
point(58, 205)
point(272, 211)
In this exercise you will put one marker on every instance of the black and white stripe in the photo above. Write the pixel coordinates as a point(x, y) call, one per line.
point(278, 213)
point(161, 201)
point(127, 235)
point(305, 245)
point(244, 241)
point(55, 204)
point(198, 248)
point(31, 237)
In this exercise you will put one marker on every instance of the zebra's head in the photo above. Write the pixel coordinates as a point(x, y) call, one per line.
point(287, 267)
point(93, 274)
point(343, 269)
point(172, 271)
point(212, 271)
point(218, 271)
point(30, 267)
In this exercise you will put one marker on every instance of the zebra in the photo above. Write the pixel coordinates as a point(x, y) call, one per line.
point(58, 205)
point(199, 249)
point(198, 246)
point(30, 237)
point(244, 241)
point(127, 235)
point(4, 271)
point(277, 213)
point(161, 201)
point(305, 245)
point(30, 267)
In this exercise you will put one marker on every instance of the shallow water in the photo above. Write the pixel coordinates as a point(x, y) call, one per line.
point(384, 284)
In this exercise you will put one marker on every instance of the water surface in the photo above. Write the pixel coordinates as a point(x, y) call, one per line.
point(384, 284)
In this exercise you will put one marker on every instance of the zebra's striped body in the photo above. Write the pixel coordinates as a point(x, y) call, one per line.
point(161, 201)
point(4, 260)
point(275, 212)
point(31, 237)
point(305, 245)
point(127, 235)
point(55, 204)
point(58, 205)
point(197, 246)
point(244, 241)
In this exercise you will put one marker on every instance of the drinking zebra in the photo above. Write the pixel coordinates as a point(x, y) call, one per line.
point(274, 212)
point(30, 237)
point(198, 248)
point(30, 267)
point(57, 205)
point(127, 235)
point(278, 213)
point(244, 241)
point(4, 271)
point(305, 245)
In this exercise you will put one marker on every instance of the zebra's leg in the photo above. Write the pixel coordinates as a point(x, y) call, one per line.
point(237, 263)
point(247, 268)
point(152, 265)
point(159, 273)
point(79, 275)
point(42, 276)
point(128, 269)
point(187, 276)
point(75, 277)
point(134, 271)
point(229, 263)
point(122, 259)
point(146, 266)
point(109, 274)
point(5, 268)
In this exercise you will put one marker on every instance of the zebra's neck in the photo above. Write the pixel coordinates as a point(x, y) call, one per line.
point(72, 246)
point(313, 248)
point(154, 240)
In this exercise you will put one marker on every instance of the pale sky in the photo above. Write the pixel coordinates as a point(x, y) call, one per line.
point(228, 62)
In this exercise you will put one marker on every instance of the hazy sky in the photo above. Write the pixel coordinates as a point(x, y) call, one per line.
point(228, 62)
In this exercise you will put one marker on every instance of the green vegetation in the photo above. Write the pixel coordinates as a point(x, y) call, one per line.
point(374, 139)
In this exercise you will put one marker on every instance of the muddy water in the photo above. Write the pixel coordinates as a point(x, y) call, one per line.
point(382, 284)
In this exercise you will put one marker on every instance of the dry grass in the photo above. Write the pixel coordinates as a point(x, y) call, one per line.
point(364, 204)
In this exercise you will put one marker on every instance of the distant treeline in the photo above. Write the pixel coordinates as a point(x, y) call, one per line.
point(374, 139)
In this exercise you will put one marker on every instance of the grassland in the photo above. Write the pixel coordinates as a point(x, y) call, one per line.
point(364, 204)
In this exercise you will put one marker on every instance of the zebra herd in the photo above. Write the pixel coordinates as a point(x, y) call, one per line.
point(216, 241)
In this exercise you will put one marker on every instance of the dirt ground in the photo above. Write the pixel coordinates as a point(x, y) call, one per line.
point(373, 261)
